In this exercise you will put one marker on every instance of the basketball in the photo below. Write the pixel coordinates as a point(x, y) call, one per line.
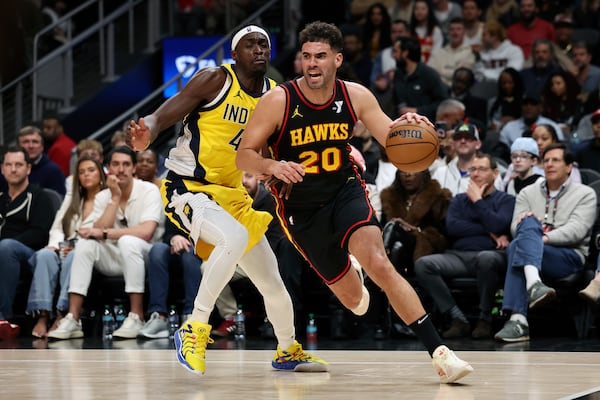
point(412, 147)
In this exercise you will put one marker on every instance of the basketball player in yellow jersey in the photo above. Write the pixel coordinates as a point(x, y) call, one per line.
point(204, 196)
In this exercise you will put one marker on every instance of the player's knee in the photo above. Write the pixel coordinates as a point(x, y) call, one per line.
point(237, 237)
point(381, 271)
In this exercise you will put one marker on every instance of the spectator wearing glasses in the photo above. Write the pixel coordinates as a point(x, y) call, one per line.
point(551, 228)
point(477, 224)
point(126, 216)
point(523, 171)
point(456, 175)
point(545, 135)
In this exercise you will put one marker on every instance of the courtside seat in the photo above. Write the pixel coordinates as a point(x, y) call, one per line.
point(568, 301)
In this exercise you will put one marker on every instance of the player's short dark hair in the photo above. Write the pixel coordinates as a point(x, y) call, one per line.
point(319, 31)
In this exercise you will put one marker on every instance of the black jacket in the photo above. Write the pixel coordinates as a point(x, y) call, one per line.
point(27, 218)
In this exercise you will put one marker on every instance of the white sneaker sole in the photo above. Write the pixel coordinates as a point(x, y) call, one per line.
point(157, 335)
point(311, 367)
point(466, 370)
point(125, 335)
point(65, 335)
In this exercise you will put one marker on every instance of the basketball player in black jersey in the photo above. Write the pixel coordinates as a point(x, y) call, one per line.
point(322, 202)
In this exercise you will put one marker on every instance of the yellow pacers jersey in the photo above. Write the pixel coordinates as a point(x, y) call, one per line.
point(204, 156)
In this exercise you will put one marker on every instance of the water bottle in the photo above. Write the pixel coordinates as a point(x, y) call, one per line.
point(311, 332)
point(574, 137)
point(240, 324)
point(173, 321)
point(108, 323)
point(119, 316)
point(498, 299)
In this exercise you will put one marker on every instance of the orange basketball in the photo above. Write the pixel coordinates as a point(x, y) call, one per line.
point(412, 147)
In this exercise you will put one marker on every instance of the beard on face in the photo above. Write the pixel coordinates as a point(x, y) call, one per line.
point(528, 19)
point(401, 64)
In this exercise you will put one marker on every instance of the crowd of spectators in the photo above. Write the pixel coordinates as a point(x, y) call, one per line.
point(513, 88)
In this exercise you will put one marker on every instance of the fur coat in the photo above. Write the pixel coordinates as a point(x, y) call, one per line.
point(428, 212)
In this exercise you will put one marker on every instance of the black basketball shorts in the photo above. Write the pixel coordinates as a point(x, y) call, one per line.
point(322, 235)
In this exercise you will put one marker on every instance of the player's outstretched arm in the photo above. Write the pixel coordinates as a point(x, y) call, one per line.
point(265, 120)
point(201, 89)
point(369, 112)
point(374, 118)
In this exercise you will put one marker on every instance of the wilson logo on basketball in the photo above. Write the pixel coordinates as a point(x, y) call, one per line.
point(407, 133)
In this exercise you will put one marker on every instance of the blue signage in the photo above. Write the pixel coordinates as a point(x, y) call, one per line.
point(180, 52)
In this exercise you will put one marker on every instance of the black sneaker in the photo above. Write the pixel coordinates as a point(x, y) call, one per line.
point(483, 330)
point(457, 329)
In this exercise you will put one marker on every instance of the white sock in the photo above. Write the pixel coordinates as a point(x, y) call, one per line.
point(363, 306)
point(519, 318)
point(532, 275)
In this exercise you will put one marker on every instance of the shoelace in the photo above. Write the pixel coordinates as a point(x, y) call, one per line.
point(199, 342)
point(298, 355)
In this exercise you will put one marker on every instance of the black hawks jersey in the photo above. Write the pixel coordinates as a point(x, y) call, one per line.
point(317, 137)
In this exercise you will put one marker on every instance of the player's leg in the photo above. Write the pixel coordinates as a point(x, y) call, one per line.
point(210, 223)
point(260, 264)
point(366, 245)
point(351, 292)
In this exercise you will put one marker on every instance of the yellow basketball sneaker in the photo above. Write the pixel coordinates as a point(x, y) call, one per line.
point(190, 342)
point(296, 359)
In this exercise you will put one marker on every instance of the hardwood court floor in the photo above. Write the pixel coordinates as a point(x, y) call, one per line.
point(137, 374)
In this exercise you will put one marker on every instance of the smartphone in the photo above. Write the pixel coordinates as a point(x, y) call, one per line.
point(441, 127)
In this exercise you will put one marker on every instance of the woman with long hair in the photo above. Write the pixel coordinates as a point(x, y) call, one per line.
point(377, 29)
point(506, 106)
point(560, 100)
point(52, 264)
point(429, 34)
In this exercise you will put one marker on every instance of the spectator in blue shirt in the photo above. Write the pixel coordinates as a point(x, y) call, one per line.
point(478, 224)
